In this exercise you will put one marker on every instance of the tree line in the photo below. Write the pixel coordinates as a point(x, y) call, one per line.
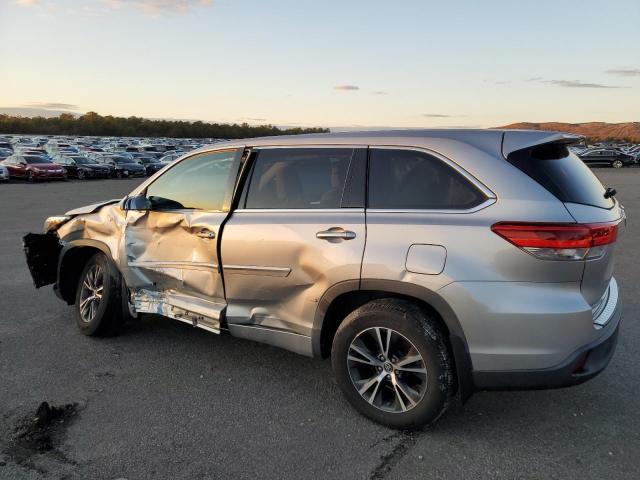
point(93, 124)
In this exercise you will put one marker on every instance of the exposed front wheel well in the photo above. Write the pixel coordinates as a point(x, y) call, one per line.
point(70, 269)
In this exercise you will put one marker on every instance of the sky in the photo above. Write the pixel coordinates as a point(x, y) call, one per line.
point(325, 63)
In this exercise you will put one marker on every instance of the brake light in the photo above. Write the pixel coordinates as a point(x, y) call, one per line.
point(559, 241)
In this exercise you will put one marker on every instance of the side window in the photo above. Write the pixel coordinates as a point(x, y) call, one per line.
point(298, 178)
point(408, 179)
point(198, 183)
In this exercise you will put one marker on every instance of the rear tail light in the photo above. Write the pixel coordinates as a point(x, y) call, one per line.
point(559, 241)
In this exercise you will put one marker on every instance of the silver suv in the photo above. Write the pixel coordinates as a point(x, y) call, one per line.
point(426, 264)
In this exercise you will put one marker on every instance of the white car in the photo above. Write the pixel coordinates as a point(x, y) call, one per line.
point(4, 174)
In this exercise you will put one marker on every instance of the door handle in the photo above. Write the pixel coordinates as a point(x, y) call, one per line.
point(204, 233)
point(336, 233)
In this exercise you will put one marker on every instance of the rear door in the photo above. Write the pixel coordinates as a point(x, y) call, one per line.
point(298, 230)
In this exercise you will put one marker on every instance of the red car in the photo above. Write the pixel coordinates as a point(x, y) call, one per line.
point(33, 167)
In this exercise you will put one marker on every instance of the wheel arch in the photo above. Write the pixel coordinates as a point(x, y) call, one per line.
point(344, 297)
point(72, 259)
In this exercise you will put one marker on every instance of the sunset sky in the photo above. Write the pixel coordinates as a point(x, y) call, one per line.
point(325, 63)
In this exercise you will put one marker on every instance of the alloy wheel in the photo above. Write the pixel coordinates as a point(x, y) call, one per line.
point(387, 370)
point(91, 293)
point(617, 164)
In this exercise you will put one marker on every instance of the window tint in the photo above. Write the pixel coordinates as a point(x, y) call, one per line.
point(198, 182)
point(562, 173)
point(400, 179)
point(298, 178)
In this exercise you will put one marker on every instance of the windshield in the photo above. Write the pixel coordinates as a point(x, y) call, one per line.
point(120, 160)
point(34, 159)
point(84, 160)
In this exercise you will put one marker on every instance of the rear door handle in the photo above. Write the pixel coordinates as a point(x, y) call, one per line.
point(336, 233)
point(204, 233)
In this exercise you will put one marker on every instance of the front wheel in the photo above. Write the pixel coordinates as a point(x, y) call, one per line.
point(30, 177)
point(98, 306)
point(392, 362)
point(81, 174)
point(617, 164)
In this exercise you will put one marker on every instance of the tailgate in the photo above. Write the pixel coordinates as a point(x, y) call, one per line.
point(598, 272)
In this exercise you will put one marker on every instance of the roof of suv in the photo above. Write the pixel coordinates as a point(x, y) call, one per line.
point(493, 141)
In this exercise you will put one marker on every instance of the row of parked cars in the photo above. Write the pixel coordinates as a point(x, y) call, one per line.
point(36, 158)
point(603, 155)
point(57, 158)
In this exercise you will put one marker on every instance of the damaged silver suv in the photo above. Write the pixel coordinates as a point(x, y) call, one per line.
point(426, 264)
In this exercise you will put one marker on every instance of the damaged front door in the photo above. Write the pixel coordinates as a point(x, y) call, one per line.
point(171, 245)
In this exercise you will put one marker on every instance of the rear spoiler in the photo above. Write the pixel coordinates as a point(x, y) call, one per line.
point(514, 140)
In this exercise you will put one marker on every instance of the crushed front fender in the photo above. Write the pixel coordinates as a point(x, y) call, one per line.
point(42, 252)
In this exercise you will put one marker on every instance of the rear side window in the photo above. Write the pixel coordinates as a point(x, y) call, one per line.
point(199, 182)
point(562, 173)
point(409, 179)
point(300, 178)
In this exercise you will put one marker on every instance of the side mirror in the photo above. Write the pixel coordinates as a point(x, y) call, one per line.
point(140, 203)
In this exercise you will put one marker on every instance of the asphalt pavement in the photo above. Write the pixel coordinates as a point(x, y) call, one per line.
point(167, 401)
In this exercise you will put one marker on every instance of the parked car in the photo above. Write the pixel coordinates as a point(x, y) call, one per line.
point(5, 152)
point(82, 167)
point(33, 168)
point(424, 263)
point(4, 173)
point(170, 157)
point(122, 166)
point(607, 157)
point(151, 165)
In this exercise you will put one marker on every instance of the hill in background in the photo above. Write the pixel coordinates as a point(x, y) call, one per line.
point(594, 131)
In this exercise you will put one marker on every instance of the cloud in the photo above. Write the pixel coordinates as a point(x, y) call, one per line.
point(153, 7)
point(436, 115)
point(52, 106)
point(251, 119)
point(578, 84)
point(346, 88)
point(570, 83)
point(624, 72)
point(159, 6)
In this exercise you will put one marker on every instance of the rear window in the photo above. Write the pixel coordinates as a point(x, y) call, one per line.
point(562, 173)
point(408, 179)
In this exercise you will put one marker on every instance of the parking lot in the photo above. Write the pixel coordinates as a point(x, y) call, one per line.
point(165, 400)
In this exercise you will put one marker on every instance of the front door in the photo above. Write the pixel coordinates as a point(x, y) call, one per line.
point(171, 249)
point(298, 230)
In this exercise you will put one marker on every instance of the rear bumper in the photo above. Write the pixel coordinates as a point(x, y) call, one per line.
point(582, 365)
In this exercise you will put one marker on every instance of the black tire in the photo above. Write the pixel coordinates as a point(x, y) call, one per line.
point(30, 177)
point(617, 164)
point(424, 334)
point(81, 174)
point(119, 174)
point(107, 318)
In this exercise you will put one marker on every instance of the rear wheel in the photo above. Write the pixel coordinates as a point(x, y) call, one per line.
point(617, 164)
point(81, 174)
point(392, 363)
point(98, 306)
